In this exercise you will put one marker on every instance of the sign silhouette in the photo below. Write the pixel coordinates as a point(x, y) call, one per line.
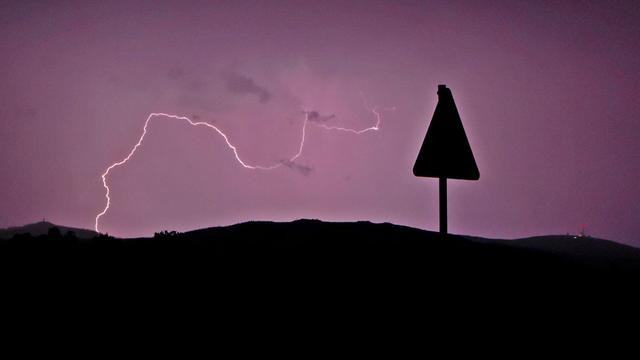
point(445, 152)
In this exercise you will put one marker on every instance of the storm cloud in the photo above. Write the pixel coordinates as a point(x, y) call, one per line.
point(239, 84)
point(315, 116)
point(302, 169)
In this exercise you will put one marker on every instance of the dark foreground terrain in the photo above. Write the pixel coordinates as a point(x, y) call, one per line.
point(316, 270)
point(311, 249)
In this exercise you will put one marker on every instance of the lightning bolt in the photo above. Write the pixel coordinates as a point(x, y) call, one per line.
point(234, 149)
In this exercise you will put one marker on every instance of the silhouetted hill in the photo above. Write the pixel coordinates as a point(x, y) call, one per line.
point(588, 250)
point(323, 267)
point(331, 247)
point(42, 227)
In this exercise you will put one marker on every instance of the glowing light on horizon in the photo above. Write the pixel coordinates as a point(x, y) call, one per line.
point(233, 148)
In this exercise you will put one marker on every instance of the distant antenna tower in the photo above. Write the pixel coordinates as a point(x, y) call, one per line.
point(582, 231)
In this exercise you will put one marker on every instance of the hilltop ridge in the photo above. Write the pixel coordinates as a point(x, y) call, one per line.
point(42, 227)
point(309, 243)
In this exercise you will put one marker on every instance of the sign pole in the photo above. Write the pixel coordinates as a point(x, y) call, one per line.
point(443, 206)
point(445, 152)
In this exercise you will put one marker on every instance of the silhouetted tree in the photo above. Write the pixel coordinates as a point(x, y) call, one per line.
point(165, 234)
point(105, 236)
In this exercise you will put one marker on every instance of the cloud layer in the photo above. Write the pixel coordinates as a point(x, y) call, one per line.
point(315, 116)
point(240, 84)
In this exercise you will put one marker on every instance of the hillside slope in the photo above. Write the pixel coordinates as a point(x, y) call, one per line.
point(314, 244)
point(42, 227)
point(588, 250)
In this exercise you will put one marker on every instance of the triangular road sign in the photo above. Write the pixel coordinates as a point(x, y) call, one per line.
point(445, 152)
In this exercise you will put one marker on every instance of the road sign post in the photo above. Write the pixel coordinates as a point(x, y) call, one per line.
point(443, 206)
point(445, 152)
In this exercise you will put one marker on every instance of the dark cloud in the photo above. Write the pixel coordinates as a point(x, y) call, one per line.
point(302, 169)
point(240, 84)
point(316, 117)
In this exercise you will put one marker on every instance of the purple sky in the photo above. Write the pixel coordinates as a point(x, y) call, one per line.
point(547, 92)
